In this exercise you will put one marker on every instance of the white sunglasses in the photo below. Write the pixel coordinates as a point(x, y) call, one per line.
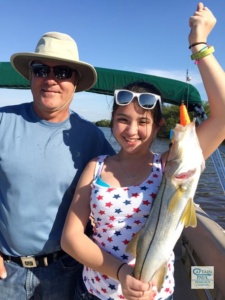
point(145, 100)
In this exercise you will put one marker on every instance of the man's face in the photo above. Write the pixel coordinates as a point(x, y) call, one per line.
point(52, 94)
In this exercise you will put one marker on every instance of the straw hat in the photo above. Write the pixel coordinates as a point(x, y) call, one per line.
point(58, 47)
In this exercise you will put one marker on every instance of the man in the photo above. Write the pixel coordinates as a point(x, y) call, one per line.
point(44, 147)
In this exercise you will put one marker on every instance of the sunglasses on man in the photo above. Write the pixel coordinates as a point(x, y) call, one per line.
point(60, 72)
point(145, 100)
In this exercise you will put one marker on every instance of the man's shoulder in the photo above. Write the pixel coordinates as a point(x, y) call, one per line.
point(83, 122)
point(14, 108)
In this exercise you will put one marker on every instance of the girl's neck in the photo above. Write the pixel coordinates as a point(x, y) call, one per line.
point(124, 156)
point(133, 166)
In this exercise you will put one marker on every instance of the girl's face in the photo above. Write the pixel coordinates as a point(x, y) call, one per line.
point(133, 128)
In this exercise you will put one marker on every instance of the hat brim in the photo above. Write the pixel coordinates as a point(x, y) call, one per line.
point(88, 75)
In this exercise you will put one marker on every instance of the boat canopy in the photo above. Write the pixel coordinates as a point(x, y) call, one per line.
point(173, 91)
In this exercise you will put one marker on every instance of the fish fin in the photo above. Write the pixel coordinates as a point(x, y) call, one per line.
point(189, 215)
point(174, 200)
point(132, 245)
point(159, 276)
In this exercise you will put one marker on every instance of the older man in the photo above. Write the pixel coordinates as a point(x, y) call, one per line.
point(44, 147)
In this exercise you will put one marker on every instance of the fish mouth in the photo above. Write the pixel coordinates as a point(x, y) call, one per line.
point(186, 175)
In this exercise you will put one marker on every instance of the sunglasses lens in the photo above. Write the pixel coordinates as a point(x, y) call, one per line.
point(63, 72)
point(147, 101)
point(40, 70)
point(124, 97)
point(60, 72)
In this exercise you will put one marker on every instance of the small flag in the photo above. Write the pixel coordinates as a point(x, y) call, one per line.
point(184, 117)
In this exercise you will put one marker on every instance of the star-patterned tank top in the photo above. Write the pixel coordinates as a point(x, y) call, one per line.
point(118, 214)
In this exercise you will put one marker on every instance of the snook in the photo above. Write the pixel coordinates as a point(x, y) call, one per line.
point(173, 207)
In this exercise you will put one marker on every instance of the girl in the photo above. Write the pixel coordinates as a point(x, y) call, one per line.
point(118, 190)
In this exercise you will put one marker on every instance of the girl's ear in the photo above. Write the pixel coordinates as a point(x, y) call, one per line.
point(162, 122)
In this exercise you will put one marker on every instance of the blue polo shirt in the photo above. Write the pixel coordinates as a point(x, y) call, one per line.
point(40, 164)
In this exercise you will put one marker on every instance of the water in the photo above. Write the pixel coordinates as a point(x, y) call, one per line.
point(209, 194)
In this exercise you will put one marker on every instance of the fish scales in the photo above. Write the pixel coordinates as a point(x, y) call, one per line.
point(173, 207)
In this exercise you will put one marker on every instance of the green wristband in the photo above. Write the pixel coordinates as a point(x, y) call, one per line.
point(201, 54)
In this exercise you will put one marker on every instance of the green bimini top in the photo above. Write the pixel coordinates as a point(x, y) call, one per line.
point(173, 91)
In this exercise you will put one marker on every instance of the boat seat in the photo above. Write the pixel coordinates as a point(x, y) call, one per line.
point(182, 289)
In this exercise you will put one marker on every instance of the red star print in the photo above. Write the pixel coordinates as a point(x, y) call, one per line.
point(111, 218)
point(94, 205)
point(103, 244)
point(121, 297)
point(110, 226)
point(137, 222)
point(108, 204)
point(109, 239)
point(135, 195)
point(125, 242)
point(149, 181)
point(105, 276)
point(100, 197)
point(153, 195)
point(104, 291)
point(109, 190)
point(146, 202)
point(136, 209)
point(128, 216)
point(155, 175)
point(97, 279)
point(101, 212)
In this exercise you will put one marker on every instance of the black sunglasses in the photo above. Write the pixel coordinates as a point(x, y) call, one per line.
point(60, 72)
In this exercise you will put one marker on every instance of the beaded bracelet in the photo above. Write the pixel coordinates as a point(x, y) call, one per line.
point(202, 53)
point(117, 274)
point(195, 44)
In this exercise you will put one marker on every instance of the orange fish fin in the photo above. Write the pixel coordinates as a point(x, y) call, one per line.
point(189, 216)
point(132, 245)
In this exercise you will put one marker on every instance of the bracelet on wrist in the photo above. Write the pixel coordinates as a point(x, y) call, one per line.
point(117, 273)
point(202, 53)
point(195, 44)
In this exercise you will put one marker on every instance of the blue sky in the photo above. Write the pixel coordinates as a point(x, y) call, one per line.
point(134, 35)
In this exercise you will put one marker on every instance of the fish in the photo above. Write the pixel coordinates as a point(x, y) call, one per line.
point(172, 209)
